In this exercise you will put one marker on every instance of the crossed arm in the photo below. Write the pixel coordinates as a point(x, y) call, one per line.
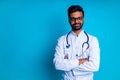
point(90, 65)
point(80, 61)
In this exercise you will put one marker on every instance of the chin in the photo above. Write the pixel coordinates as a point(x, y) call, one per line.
point(77, 28)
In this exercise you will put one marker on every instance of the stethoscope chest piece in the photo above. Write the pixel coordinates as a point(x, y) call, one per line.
point(68, 45)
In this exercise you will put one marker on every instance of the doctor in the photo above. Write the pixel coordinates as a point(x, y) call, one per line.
point(77, 53)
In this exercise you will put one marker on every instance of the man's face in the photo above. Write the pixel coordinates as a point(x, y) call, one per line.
point(76, 20)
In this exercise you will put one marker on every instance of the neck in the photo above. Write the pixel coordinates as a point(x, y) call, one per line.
point(77, 31)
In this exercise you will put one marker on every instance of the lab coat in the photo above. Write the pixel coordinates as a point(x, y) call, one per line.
point(72, 69)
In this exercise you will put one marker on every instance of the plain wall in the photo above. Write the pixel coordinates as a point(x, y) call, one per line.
point(29, 30)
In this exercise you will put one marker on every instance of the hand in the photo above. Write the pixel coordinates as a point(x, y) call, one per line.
point(66, 57)
point(81, 61)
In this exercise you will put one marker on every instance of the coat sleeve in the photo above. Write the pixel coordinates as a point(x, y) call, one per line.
point(94, 59)
point(59, 61)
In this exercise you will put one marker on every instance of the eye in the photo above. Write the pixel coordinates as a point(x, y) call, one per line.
point(72, 19)
point(78, 18)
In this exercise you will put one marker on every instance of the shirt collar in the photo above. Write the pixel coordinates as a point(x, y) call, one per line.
point(81, 33)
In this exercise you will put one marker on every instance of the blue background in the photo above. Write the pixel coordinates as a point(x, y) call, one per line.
point(29, 30)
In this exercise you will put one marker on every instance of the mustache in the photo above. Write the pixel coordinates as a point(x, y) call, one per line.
point(77, 23)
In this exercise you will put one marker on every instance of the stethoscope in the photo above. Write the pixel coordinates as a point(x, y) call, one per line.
point(85, 43)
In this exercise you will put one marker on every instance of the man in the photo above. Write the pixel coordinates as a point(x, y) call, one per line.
point(77, 53)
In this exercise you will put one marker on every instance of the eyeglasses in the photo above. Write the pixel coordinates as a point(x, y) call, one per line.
point(76, 19)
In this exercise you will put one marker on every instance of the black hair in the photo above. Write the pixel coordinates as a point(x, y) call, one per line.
point(74, 8)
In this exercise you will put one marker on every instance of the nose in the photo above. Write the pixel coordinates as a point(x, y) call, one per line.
point(76, 20)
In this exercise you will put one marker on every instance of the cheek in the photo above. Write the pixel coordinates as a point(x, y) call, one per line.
point(71, 23)
point(82, 21)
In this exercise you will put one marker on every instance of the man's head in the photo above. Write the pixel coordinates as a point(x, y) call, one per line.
point(76, 17)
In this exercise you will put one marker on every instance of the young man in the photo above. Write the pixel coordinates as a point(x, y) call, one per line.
point(77, 53)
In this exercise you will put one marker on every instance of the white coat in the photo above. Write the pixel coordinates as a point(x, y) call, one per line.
point(72, 69)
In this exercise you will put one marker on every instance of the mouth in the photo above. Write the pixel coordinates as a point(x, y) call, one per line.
point(77, 25)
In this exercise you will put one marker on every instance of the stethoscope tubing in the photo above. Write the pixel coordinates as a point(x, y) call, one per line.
point(68, 45)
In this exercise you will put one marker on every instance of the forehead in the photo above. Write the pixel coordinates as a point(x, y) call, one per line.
point(76, 14)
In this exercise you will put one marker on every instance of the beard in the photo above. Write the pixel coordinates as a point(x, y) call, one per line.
point(77, 26)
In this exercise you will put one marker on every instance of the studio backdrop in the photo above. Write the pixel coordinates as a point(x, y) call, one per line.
point(29, 30)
